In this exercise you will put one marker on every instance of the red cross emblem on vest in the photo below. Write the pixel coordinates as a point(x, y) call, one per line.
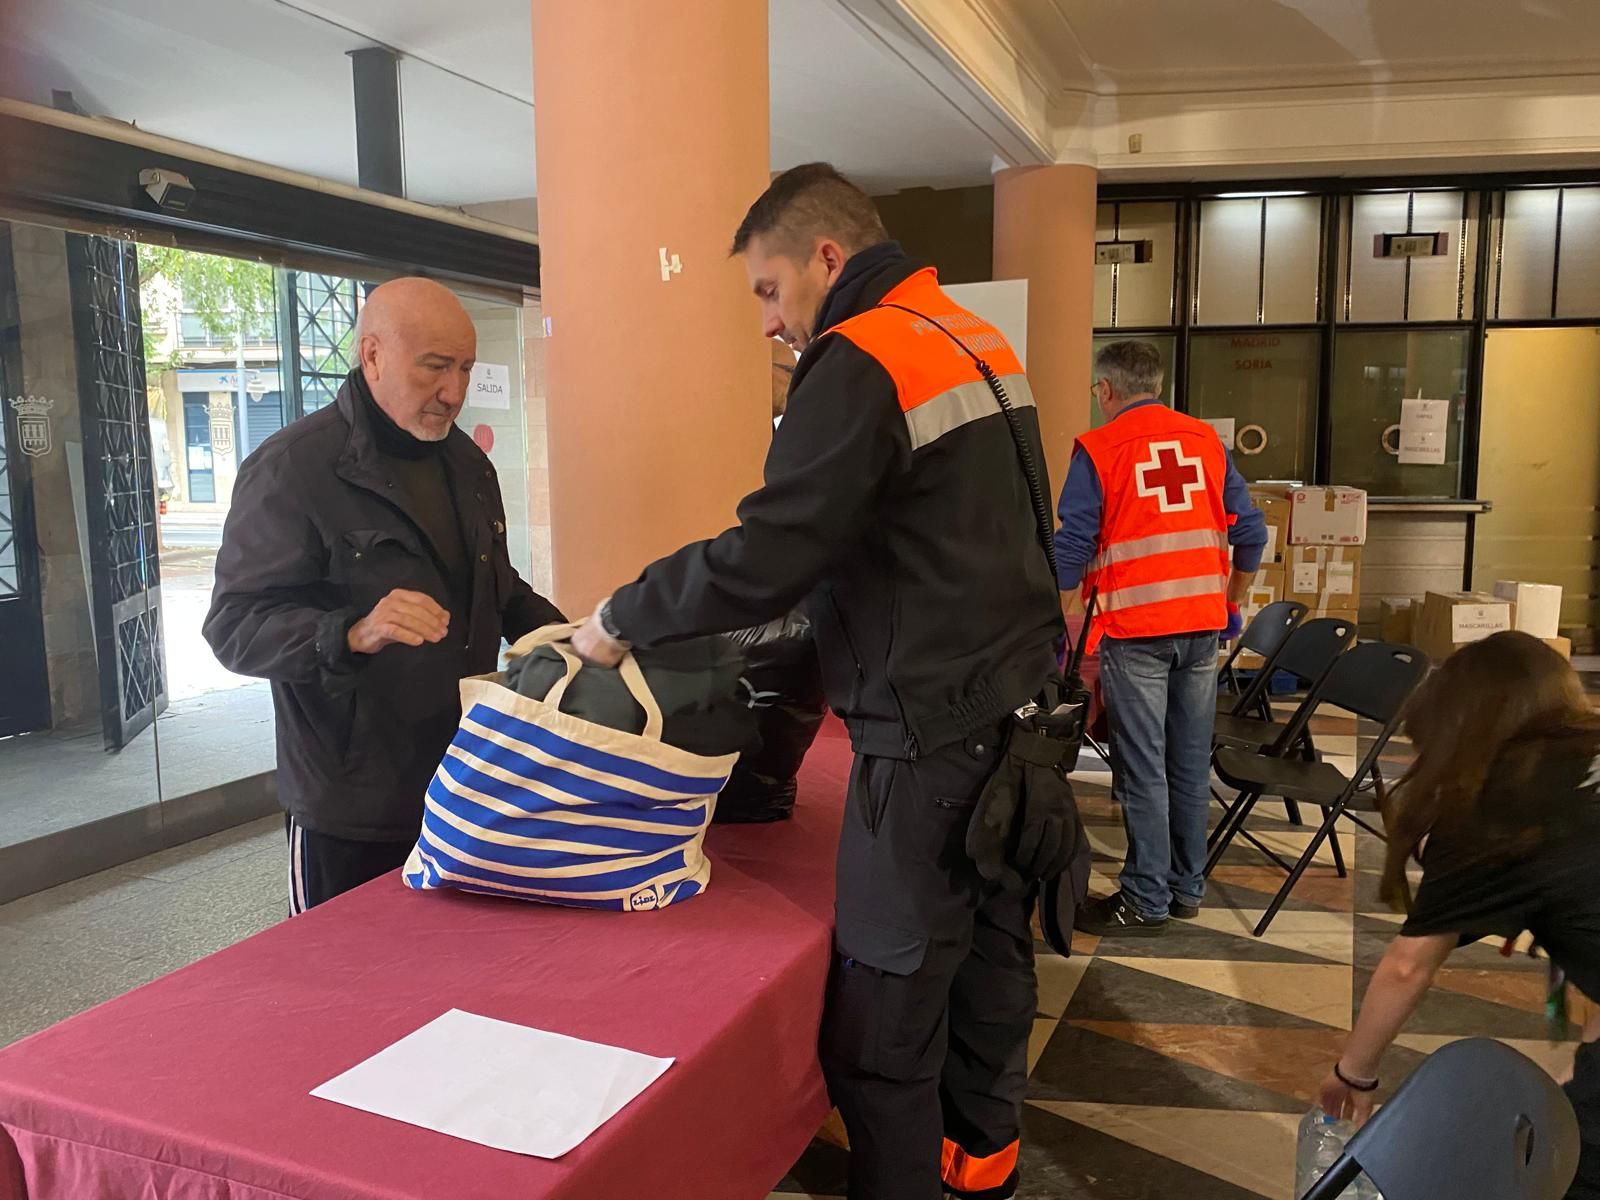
point(1171, 476)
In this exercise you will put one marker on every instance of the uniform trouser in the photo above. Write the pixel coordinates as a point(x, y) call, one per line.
point(932, 994)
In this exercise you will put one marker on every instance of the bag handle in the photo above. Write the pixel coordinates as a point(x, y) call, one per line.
point(556, 637)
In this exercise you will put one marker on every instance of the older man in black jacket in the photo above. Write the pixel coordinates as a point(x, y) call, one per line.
point(364, 571)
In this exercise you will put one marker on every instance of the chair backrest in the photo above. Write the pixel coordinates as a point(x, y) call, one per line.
point(1374, 680)
point(1476, 1121)
point(1265, 636)
point(1314, 646)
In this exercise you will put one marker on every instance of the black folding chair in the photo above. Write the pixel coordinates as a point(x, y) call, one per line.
point(1374, 680)
point(1264, 637)
point(1308, 653)
point(1476, 1121)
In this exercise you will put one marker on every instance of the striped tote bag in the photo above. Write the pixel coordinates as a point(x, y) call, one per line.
point(538, 804)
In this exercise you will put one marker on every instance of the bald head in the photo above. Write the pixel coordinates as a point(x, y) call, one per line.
point(416, 345)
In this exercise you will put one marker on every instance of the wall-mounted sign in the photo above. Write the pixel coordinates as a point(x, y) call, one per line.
point(33, 425)
point(221, 409)
point(490, 386)
point(1225, 427)
point(1423, 429)
point(1410, 245)
point(1120, 253)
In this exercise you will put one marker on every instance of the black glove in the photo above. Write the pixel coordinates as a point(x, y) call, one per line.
point(1024, 829)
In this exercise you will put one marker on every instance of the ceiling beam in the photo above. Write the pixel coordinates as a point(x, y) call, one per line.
point(963, 57)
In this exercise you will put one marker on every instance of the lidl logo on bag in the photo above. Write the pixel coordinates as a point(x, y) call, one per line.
point(646, 900)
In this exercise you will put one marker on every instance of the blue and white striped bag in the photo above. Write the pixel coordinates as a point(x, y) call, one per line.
point(538, 804)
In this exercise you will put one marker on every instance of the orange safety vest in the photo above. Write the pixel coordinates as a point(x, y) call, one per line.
point(1163, 561)
point(940, 388)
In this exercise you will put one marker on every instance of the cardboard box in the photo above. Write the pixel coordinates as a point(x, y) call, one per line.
point(1538, 606)
point(1265, 589)
point(1328, 516)
point(1277, 510)
point(1561, 645)
point(1397, 619)
point(1450, 620)
point(1324, 577)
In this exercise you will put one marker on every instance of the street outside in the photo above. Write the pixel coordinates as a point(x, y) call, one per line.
point(189, 543)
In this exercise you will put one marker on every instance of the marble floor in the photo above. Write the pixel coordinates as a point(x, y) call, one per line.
point(1180, 1066)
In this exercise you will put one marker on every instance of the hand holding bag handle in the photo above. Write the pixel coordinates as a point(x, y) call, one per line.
point(558, 638)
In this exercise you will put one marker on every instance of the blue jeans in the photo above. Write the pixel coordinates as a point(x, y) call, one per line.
point(1161, 694)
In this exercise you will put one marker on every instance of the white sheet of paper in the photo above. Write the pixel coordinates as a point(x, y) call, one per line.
point(497, 1084)
point(1423, 427)
point(1225, 427)
point(490, 387)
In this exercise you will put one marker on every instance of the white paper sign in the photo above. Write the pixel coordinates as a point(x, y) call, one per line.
point(1305, 577)
point(1474, 622)
point(1225, 427)
point(1341, 579)
point(491, 386)
point(1423, 430)
point(497, 1084)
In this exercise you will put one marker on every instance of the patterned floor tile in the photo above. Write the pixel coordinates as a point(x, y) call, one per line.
point(1179, 1066)
point(1251, 1150)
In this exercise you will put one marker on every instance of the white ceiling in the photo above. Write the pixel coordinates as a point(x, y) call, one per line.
point(1207, 45)
point(269, 80)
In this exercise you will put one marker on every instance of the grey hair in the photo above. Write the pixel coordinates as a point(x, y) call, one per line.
point(1133, 369)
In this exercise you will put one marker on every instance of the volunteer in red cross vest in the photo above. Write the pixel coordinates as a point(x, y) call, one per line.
point(895, 506)
point(1151, 506)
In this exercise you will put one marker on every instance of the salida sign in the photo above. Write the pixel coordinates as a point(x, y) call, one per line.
point(490, 386)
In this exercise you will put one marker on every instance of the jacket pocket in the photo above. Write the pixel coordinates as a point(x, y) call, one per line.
point(371, 563)
point(842, 669)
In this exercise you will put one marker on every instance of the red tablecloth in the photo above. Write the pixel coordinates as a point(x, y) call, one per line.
point(197, 1086)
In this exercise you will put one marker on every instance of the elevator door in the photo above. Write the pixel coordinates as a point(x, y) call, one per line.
point(1539, 462)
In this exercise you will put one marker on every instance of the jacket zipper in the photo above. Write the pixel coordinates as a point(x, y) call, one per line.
point(849, 642)
point(912, 750)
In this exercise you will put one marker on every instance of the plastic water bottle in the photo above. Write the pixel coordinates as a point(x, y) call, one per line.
point(1321, 1142)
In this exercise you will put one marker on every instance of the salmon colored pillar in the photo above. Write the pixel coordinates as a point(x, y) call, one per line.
point(652, 137)
point(1044, 223)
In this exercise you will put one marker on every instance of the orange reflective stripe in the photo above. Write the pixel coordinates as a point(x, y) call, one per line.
point(966, 1173)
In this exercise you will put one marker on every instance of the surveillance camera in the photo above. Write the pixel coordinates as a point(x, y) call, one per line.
point(171, 191)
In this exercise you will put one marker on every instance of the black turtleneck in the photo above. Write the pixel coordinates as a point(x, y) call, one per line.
point(420, 470)
point(844, 297)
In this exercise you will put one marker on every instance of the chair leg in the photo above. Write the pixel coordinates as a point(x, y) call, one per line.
point(1291, 810)
point(1299, 868)
point(1267, 850)
point(1233, 821)
point(1228, 809)
point(1338, 853)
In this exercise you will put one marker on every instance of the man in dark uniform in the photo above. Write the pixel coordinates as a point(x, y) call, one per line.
point(895, 501)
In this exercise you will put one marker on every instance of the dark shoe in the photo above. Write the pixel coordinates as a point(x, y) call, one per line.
point(1184, 912)
point(1112, 917)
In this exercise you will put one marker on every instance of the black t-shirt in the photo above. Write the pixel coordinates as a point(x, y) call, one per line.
point(1551, 889)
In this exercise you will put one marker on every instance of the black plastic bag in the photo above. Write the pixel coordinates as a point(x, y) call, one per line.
point(705, 706)
point(785, 681)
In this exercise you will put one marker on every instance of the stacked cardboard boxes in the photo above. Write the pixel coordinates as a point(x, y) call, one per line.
point(1313, 556)
point(1449, 620)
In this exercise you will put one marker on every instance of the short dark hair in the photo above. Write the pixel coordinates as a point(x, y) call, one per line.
point(808, 202)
